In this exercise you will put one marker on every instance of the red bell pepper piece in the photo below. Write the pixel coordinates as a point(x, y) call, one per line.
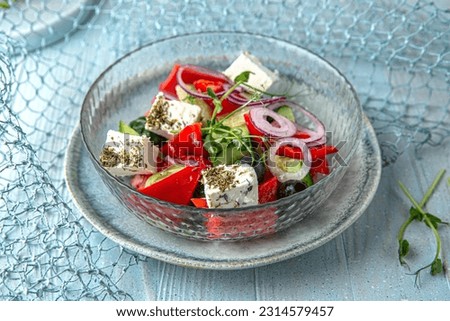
point(267, 191)
point(301, 135)
point(267, 175)
point(228, 107)
point(167, 149)
point(202, 85)
point(253, 130)
point(201, 81)
point(193, 73)
point(190, 75)
point(289, 151)
point(176, 188)
point(187, 142)
point(190, 139)
point(322, 151)
point(167, 87)
point(316, 152)
point(199, 202)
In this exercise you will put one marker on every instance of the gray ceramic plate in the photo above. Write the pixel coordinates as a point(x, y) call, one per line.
point(343, 207)
point(41, 23)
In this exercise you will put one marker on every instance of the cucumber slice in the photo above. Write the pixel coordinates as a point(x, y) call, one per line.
point(163, 174)
point(287, 164)
point(236, 119)
point(287, 112)
point(241, 130)
point(125, 129)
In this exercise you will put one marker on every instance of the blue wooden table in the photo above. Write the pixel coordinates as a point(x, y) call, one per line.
point(381, 48)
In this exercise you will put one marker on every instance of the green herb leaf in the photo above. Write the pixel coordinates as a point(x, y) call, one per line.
point(190, 100)
point(415, 214)
point(243, 77)
point(418, 214)
point(434, 220)
point(217, 104)
point(403, 250)
point(211, 93)
point(125, 129)
point(436, 267)
point(139, 126)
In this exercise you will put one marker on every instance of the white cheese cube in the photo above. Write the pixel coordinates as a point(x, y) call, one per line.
point(260, 77)
point(230, 186)
point(168, 117)
point(125, 154)
point(206, 112)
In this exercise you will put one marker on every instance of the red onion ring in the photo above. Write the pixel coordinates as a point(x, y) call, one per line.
point(205, 71)
point(314, 136)
point(281, 174)
point(285, 128)
point(320, 141)
point(235, 98)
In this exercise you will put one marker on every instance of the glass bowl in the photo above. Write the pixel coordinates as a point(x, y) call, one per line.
point(124, 92)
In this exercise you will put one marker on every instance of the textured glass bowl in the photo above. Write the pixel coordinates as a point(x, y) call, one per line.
point(124, 91)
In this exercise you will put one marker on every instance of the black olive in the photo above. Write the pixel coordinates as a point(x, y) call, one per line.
point(246, 160)
point(257, 164)
point(199, 191)
point(289, 188)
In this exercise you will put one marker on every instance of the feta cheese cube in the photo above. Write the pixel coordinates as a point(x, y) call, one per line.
point(125, 154)
point(230, 186)
point(168, 117)
point(206, 111)
point(260, 77)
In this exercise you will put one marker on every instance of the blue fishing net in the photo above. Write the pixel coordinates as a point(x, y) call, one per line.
point(397, 54)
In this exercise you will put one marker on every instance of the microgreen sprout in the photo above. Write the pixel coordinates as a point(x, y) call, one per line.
point(219, 136)
point(417, 213)
point(217, 104)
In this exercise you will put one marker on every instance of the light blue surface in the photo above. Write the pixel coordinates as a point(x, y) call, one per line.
point(404, 92)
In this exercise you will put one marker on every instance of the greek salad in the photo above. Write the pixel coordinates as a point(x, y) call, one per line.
point(220, 139)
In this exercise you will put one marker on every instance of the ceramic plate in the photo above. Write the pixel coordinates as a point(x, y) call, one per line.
point(342, 208)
